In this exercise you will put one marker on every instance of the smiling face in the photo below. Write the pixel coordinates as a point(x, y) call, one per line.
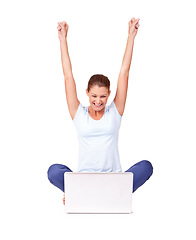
point(98, 97)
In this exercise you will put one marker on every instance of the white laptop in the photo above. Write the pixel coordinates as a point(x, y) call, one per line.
point(98, 192)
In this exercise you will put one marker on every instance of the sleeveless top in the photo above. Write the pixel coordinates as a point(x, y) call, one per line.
point(98, 140)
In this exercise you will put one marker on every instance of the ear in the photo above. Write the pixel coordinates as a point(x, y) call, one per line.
point(87, 92)
point(109, 93)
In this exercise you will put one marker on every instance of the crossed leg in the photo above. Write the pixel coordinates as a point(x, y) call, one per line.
point(142, 171)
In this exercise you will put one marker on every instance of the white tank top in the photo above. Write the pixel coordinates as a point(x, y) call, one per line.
point(98, 140)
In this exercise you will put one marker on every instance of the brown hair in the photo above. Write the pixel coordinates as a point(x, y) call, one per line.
point(99, 80)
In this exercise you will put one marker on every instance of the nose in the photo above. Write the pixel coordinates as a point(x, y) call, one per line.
point(98, 101)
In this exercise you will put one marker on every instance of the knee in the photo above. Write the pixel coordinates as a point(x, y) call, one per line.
point(148, 166)
point(52, 172)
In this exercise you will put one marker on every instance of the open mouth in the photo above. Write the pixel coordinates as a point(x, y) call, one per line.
point(98, 105)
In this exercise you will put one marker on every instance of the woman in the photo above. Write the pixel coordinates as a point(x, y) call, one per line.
point(98, 125)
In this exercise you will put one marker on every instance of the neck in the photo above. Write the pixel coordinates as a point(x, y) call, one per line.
point(94, 113)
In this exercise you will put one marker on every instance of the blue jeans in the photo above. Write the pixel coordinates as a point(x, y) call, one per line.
point(141, 173)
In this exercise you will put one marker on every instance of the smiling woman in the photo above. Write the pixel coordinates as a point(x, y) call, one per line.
point(98, 124)
point(98, 92)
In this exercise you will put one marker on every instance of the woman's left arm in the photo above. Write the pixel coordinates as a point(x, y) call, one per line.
point(122, 85)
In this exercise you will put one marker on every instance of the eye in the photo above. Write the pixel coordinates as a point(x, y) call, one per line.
point(103, 96)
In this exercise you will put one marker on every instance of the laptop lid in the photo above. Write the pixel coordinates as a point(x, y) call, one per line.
point(98, 192)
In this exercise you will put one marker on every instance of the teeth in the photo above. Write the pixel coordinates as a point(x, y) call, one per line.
point(97, 105)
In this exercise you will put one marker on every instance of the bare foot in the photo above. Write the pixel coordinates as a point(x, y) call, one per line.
point(64, 198)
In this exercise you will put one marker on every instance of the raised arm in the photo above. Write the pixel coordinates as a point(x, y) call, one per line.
point(70, 85)
point(122, 85)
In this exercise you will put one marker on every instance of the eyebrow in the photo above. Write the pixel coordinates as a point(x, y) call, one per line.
point(96, 94)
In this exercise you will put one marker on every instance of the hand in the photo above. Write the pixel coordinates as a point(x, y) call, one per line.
point(62, 30)
point(133, 26)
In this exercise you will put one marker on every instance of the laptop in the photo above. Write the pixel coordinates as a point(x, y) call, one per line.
point(102, 192)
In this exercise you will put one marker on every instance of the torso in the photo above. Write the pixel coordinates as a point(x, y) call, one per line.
point(98, 139)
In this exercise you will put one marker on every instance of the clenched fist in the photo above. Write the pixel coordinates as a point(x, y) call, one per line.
point(62, 30)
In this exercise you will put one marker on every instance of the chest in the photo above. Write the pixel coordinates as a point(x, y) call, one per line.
point(105, 127)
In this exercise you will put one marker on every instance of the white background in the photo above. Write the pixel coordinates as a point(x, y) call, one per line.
point(158, 123)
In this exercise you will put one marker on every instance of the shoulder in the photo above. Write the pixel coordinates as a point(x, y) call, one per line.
point(112, 108)
point(81, 111)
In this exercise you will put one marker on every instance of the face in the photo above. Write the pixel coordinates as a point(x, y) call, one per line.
point(98, 97)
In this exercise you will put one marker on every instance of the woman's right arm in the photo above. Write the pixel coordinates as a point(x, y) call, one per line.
point(70, 85)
